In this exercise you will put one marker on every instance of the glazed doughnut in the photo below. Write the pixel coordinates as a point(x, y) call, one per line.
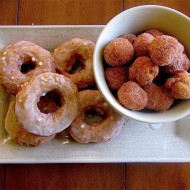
point(100, 131)
point(164, 49)
point(5, 100)
point(118, 52)
point(15, 57)
point(20, 135)
point(71, 51)
point(32, 119)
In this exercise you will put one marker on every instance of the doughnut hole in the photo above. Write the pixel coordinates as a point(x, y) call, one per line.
point(141, 44)
point(94, 115)
point(50, 102)
point(27, 64)
point(75, 64)
point(132, 96)
point(118, 52)
point(164, 49)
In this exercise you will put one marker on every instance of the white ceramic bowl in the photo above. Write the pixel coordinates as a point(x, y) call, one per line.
point(136, 20)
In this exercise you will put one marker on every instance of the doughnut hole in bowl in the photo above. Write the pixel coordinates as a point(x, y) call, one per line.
point(135, 21)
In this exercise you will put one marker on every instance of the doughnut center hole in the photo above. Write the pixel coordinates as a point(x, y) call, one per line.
point(28, 65)
point(76, 64)
point(50, 102)
point(94, 115)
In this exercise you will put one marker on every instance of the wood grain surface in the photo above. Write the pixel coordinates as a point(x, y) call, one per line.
point(65, 176)
point(8, 12)
point(134, 176)
point(8, 16)
point(68, 12)
point(183, 6)
point(158, 176)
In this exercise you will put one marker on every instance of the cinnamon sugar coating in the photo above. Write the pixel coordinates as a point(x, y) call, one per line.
point(179, 84)
point(116, 76)
point(154, 32)
point(118, 52)
point(164, 49)
point(181, 62)
point(143, 70)
point(141, 44)
point(159, 98)
point(132, 96)
point(130, 37)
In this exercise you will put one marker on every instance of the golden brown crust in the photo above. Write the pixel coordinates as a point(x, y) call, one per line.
point(68, 52)
point(143, 71)
point(141, 44)
point(179, 84)
point(28, 113)
point(18, 134)
point(116, 76)
point(181, 62)
point(132, 96)
point(130, 37)
point(118, 52)
point(159, 98)
point(101, 131)
point(22, 53)
point(154, 32)
point(164, 49)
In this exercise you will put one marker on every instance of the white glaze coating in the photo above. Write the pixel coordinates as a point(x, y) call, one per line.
point(20, 135)
point(22, 52)
point(28, 113)
point(99, 131)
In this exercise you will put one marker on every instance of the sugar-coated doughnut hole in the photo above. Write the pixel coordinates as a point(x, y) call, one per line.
point(141, 44)
point(130, 37)
point(159, 98)
point(118, 52)
point(132, 96)
point(181, 62)
point(154, 32)
point(164, 49)
point(179, 84)
point(116, 76)
point(143, 71)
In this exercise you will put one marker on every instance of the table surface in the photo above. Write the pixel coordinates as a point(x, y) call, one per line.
point(86, 176)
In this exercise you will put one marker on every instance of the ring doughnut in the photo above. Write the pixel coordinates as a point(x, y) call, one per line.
point(29, 115)
point(16, 57)
point(100, 131)
point(71, 51)
point(20, 135)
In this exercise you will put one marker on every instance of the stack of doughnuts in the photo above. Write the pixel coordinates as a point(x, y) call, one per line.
point(50, 93)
